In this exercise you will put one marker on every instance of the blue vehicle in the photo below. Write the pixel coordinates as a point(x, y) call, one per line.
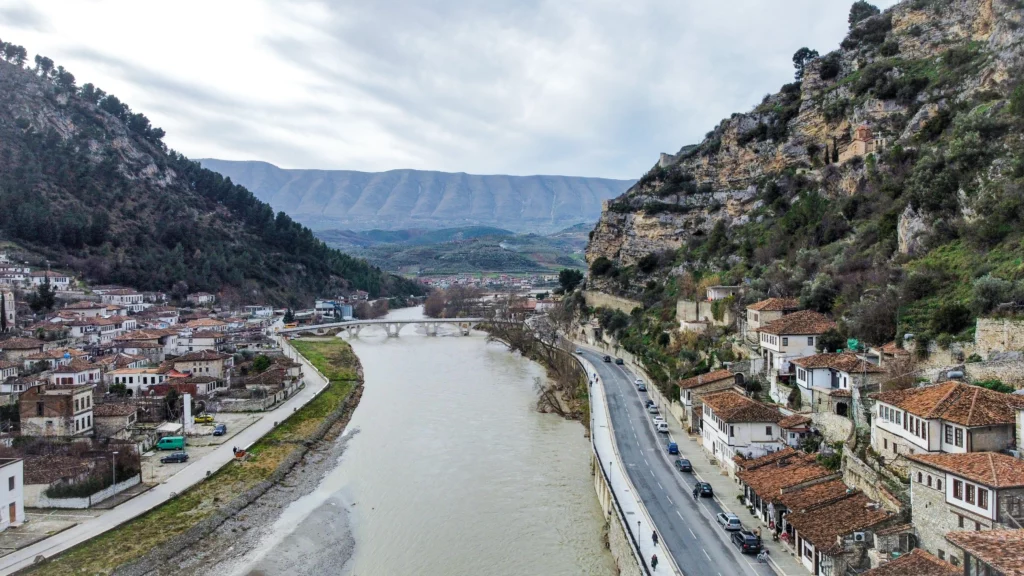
point(673, 448)
point(220, 429)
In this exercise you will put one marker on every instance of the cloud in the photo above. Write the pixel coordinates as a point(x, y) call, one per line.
point(577, 87)
point(23, 15)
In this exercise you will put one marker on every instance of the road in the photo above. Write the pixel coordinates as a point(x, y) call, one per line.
point(184, 479)
point(687, 527)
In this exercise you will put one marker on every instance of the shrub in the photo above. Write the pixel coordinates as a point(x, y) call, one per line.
point(648, 263)
point(889, 49)
point(601, 266)
point(951, 318)
point(795, 399)
point(989, 292)
point(994, 385)
point(872, 32)
point(860, 11)
point(830, 66)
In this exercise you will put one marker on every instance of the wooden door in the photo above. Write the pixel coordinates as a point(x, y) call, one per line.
point(13, 511)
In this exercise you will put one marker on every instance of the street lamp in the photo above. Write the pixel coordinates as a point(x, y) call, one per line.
point(113, 466)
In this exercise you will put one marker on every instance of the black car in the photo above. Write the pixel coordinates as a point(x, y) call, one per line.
point(649, 403)
point(607, 358)
point(746, 542)
point(683, 465)
point(618, 361)
point(175, 458)
point(703, 489)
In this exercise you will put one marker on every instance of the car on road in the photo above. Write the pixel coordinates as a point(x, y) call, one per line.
point(673, 448)
point(729, 521)
point(703, 489)
point(204, 419)
point(683, 465)
point(579, 351)
point(638, 381)
point(652, 409)
point(642, 388)
point(746, 542)
point(619, 361)
point(220, 429)
point(661, 427)
point(607, 358)
point(658, 419)
point(175, 458)
point(649, 403)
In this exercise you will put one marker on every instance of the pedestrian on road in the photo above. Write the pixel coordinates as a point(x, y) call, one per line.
point(654, 562)
point(654, 536)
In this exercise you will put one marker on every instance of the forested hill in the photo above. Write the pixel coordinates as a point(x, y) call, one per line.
point(408, 199)
point(885, 185)
point(90, 185)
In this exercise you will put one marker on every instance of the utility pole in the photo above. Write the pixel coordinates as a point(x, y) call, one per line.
point(113, 466)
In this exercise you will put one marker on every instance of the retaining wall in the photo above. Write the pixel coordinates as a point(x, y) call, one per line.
point(600, 299)
point(37, 498)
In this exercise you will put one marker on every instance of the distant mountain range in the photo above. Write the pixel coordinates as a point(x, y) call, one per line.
point(417, 199)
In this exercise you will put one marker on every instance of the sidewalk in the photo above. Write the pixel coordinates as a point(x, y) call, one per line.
point(727, 490)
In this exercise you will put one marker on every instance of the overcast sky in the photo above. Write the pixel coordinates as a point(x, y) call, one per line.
point(574, 87)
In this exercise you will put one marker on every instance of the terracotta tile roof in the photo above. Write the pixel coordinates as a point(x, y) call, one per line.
point(1003, 550)
point(956, 402)
point(734, 407)
point(752, 463)
point(103, 410)
point(916, 563)
point(205, 323)
point(56, 354)
point(775, 305)
point(769, 481)
point(794, 421)
point(846, 362)
point(201, 356)
point(892, 350)
point(138, 344)
point(813, 495)
point(84, 305)
point(20, 344)
point(895, 529)
point(992, 469)
point(76, 365)
point(821, 525)
point(709, 378)
point(4, 365)
point(798, 323)
point(839, 393)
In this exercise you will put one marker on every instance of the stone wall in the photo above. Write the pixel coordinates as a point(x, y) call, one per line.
point(859, 475)
point(833, 427)
point(998, 335)
point(933, 520)
point(693, 314)
point(1009, 371)
point(36, 498)
point(596, 299)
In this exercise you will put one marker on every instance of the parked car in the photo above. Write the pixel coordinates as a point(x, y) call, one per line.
point(683, 465)
point(175, 458)
point(607, 358)
point(658, 419)
point(638, 381)
point(171, 443)
point(703, 489)
point(661, 427)
point(652, 409)
point(649, 403)
point(729, 521)
point(642, 388)
point(619, 361)
point(673, 448)
point(746, 542)
point(220, 429)
point(204, 419)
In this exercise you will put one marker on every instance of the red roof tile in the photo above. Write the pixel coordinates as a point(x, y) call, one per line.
point(775, 305)
point(847, 362)
point(917, 563)
point(989, 468)
point(709, 378)
point(821, 525)
point(1003, 550)
point(798, 323)
point(956, 402)
point(734, 407)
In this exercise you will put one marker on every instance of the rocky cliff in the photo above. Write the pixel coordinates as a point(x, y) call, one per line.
point(404, 199)
point(901, 145)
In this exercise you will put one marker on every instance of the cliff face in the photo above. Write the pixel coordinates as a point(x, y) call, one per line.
point(905, 129)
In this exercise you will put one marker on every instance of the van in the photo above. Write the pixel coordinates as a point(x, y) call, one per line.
point(171, 443)
point(662, 426)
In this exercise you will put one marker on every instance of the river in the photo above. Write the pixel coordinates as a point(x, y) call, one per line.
point(449, 470)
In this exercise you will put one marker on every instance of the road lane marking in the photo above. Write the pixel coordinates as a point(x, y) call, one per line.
point(680, 515)
point(705, 553)
point(660, 486)
point(692, 534)
point(669, 500)
point(646, 462)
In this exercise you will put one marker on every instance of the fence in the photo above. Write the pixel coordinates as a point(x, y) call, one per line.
point(42, 501)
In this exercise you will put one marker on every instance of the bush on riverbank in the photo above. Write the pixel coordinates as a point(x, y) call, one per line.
point(134, 539)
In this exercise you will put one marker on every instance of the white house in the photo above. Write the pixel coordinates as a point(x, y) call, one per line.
point(974, 491)
point(58, 281)
point(767, 311)
point(201, 298)
point(952, 417)
point(8, 369)
point(12, 487)
point(133, 300)
point(138, 380)
point(830, 378)
point(734, 424)
point(201, 341)
point(78, 371)
point(10, 307)
point(792, 336)
point(721, 292)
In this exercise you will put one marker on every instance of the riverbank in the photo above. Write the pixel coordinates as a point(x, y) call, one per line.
point(152, 542)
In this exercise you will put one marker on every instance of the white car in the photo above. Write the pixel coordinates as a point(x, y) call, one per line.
point(658, 419)
point(579, 351)
point(638, 382)
point(661, 427)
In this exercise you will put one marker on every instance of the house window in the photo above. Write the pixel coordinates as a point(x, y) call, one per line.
point(810, 340)
point(929, 480)
point(924, 431)
point(949, 434)
point(938, 484)
point(10, 483)
point(807, 550)
point(732, 431)
point(919, 475)
point(942, 554)
point(885, 444)
point(960, 521)
point(983, 498)
point(768, 430)
point(958, 492)
point(785, 341)
point(970, 494)
point(959, 437)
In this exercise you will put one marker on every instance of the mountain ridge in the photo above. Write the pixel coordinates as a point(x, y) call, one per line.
point(410, 198)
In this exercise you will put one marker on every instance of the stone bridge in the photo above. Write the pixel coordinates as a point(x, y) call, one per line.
point(391, 327)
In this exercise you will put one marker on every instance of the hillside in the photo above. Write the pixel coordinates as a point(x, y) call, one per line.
point(89, 185)
point(408, 199)
point(886, 187)
point(458, 250)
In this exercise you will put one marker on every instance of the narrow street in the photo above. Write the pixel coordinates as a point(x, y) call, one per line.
point(686, 526)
